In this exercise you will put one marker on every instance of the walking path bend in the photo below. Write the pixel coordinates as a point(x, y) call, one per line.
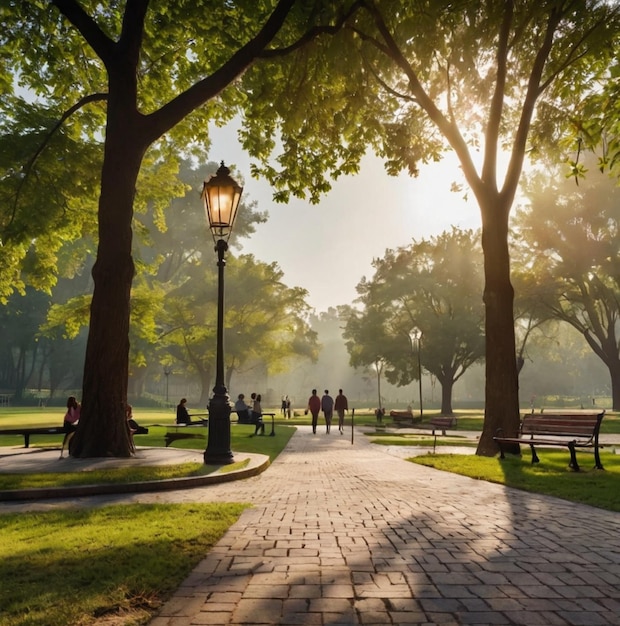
point(352, 534)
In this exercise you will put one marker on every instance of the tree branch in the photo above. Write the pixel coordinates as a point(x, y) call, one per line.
point(313, 33)
point(94, 97)
point(489, 167)
point(515, 165)
point(87, 27)
point(162, 120)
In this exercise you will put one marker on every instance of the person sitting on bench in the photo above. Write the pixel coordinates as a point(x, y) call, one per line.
point(70, 421)
point(243, 410)
point(182, 413)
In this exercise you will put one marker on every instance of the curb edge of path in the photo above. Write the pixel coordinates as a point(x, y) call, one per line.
point(258, 464)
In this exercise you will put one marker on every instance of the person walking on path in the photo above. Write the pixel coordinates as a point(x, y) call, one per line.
point(341, 405)
point(314, 406)
point(327, 406)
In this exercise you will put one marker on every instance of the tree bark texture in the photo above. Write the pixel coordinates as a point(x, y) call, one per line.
point(502, 387)
point(102, 429)
point(446, 397)
point(614, 371)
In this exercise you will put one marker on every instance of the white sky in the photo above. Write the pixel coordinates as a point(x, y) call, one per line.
point(327, 248)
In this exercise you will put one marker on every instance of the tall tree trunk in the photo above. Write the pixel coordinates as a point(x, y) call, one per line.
point(447, 386)
point(502, 387)
point(206, 384)
point(102, 430)
point(614, 371)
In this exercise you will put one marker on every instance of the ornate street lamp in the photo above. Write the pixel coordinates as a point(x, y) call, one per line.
point(220, 195)
point(416, 339)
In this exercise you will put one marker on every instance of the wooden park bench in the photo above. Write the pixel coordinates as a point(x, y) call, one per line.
point(440, 423)
point(571, 429)
point(242, 418)
point(404, 418)
point(28, 432)
point(37, 430)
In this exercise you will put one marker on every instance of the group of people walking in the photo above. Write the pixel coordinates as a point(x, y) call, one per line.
point(253, 413)
point(328, 405)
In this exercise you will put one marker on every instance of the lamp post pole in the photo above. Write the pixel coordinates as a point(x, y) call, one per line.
point(218, 446)
point(420, 377)
point(221, 195)
point(167, 372)
point(416, 339)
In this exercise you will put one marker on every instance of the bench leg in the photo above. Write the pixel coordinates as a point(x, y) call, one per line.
point(597, 458)
point(26, 440)
point(573, 457)
point(535, 458)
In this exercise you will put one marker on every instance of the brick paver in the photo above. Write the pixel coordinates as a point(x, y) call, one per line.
point(350, 534)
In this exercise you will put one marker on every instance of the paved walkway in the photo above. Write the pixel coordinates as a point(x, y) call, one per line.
point(351, 534)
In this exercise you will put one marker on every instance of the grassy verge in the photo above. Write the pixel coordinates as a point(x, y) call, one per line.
point(108, 476)
point(411, 439)
point(116, 564)
point(551, 476)
point(241, 441)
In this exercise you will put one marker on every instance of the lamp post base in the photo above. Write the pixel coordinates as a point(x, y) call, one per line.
point(218, 450)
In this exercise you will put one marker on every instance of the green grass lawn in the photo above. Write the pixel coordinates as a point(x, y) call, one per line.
point(242, 440)
point(73, 567)
point(599, 488)
point(118, 563)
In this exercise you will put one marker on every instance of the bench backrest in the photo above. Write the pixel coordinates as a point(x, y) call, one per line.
point(562, 424)
point(443, 421)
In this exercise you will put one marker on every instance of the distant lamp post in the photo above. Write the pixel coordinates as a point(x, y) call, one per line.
point(378, 367)
point(416, 340)
point(167, 372)
point(220, 195)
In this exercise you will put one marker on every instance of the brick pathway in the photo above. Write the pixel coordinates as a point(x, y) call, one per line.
point(342, 534)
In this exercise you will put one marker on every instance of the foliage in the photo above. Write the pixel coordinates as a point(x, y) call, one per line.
point(571, 234)
point(265, 320)
point(153, 75)
point(410, 81)
point(118, 560)
point(433, 286)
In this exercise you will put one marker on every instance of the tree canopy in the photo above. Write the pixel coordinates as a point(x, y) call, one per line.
point(132, 81)
point(435, 287)
point(122, 84)
point(572, 235)
point(410, 81)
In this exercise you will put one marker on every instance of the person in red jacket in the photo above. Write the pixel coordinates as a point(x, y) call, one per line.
point(314, 406)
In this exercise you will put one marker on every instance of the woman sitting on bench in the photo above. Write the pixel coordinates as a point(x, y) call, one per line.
point(71, 419)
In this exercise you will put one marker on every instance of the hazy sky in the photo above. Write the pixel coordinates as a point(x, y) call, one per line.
point(327, 248)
